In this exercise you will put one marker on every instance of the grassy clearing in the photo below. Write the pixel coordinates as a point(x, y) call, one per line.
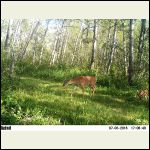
point(44, 101)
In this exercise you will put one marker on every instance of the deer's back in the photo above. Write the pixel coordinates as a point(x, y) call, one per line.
point(85, 80)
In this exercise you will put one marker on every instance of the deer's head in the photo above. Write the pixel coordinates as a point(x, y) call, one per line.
point(66, 82)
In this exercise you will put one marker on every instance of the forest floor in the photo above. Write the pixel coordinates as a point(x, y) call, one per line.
point(46, 102)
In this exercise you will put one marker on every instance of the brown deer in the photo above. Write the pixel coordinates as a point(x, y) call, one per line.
point(82, 82)
point(142, 93)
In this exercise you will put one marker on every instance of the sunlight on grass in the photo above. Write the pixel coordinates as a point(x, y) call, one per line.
point(48, 102)
point(43, 85)
point(120, 100)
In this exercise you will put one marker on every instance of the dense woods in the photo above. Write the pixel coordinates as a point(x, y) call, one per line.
point(38, 55)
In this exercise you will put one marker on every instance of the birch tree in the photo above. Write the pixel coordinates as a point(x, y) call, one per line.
point(75, 54)
point(56, 44)
point(141, 40)
point(131, 44)
point(42, 43)
point(12, 51)
point(112, 48)
point(64, 42)
point(23, 52)
point(124, 47)
point(7, 37)
point(107, 44)
point(94, 44)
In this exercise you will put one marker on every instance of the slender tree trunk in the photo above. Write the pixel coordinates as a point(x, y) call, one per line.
point(105, 52)
point(29, 39)
point(131, 43)
point(41, 53)
point(113, 47)
point(33, 60)
point(7, 37)
point(12, 54)
point(77, 45)
point(87, 34)
point(54, 52)
point(124, 49)
point(79, 49)
point(64, 44)
point(34, 51)
point(56, 45)
point(141, 40)
point(12, 64)
point(92, 63)
point(65, 47)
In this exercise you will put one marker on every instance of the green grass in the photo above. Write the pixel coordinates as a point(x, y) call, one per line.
point(44, 101)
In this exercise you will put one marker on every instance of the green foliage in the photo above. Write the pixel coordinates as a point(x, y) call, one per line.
point(55, 73)
point(9, 109)
point(119, 82)
point(39, 99)
point(34, 95)
point(141, 83)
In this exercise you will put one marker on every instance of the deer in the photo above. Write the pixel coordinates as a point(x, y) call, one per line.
point(82, 82)
point(142, 94)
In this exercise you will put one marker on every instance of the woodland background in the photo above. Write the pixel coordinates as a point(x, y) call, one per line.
point(38, 55)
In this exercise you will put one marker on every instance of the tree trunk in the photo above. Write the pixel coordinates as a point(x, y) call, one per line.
point(79, 49)
point(52, 60)
point(41, 54)
point(29, 39)
point(105, 52)
point(113, 47)
point(141, 40)
point(7, 37)
point(64, 45)
point(12, 64)
point(124, 49)
point(131, 42)
point(12, 54)
point(34, 51)
point(76, 46)
point(56, 45)
point(92, 63)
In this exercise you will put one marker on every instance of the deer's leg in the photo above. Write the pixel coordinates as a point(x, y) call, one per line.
point(75, 87)
point(82, 87)
point(92, 90)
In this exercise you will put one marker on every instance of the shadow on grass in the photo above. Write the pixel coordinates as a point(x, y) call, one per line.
point(109, 97)
point(58, 110)
point(67, 113)
point(124, 96)
point(70, 114)
point(30, 83)
point(107, 100)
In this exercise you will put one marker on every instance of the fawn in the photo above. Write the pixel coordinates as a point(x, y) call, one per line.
point(142, 93)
